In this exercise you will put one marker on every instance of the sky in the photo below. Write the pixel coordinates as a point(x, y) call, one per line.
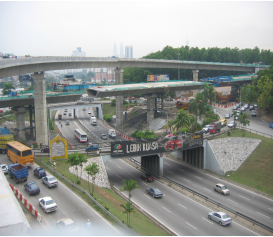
point(57, 28)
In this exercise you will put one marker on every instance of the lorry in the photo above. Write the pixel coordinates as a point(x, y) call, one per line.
point(112, 133)
point(182, 105)
point(215, 127)
point(93, 121)
point(18, 172)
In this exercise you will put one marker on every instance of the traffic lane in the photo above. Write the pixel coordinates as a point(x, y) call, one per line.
point(68, 205)
point(167, 212)
point(244, 201)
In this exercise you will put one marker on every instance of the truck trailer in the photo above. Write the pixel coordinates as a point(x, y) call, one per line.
point(215, 127)
point(18, 172)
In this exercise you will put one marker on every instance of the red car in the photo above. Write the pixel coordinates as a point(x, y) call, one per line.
point(148, 177)
point(175, 143)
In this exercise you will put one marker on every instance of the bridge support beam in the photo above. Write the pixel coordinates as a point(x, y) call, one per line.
point(150, 107)
point(153, 163)
point(119, 99)
point(195, 78)
point(20, 121)
point(40, 108)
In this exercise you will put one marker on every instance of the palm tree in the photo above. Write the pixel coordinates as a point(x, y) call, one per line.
point(169, 125)
point(182, 119)
point(208, 93)
point(128, 210)
point(74, 161)
point(197, 105)
point(92, 170)
point(129, 186)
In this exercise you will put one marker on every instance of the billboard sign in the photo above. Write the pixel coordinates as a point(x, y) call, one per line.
point(158, 77)
point(144, 147)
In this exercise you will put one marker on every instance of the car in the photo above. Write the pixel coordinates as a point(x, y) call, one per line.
point(89, 111)
point(238, 105)
point(84, 109)
point(221, 188)
point(154, 192)
point(147, 177)
point(39, 172)
point(47, 204)
point(169, 135)
point(45, 149)
point(67, 225)
point(92, 147)
point(4, 168)
point(223, 122)
point(65, 110)
point(32, 188)
point(220, 217)
point(50, 181)
point(238, 113)
point(67, 122)
point(232, 124)
point(64, 113)
point(271, 125)
point(241, 103)
point(70, 114)
point(246, 106)
point(227, 116)
point(206, 128)
point(251, 107)
point(255, 106)
point(253, 113)
point(174, 143)
point(103, 136)
point(234, 108)
point(243, 109)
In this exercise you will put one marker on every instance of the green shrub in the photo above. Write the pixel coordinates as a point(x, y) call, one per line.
point(107, 117)
point(145, 135)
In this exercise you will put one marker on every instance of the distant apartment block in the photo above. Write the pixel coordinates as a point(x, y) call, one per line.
point(79, 53)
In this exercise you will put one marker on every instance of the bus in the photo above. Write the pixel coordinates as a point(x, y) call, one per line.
point(19, 153)
point(80, 135)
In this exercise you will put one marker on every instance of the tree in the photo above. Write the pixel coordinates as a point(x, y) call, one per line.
point(90, 74)
point(92, 170)
point(7, 88)
point(76, 159)
point(243, 119)
point(129, 186)
point(182, 119)
point(209, 94)
point(169, 125)
point(265, 87)
point(107, 117)
point(128, 210)
point(197, 105)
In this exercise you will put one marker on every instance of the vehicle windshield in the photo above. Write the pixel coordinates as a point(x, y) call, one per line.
point(51, 179)
point(70, 226)
point(211, 127)
point(49, 202)
point(225, 216)
point(41, 171)
point(224, 187)
point(83, 136)
point(149, 175)
point(157, 191)
point(34, 185)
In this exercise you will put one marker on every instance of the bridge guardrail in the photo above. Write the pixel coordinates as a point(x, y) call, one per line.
point(254, 222)
point(93, 199)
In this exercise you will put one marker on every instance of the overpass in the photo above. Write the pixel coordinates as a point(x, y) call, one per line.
point(38, 65)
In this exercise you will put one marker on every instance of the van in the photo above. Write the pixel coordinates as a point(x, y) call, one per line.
point(112, 133)
point(70, 114)
point(93, 121)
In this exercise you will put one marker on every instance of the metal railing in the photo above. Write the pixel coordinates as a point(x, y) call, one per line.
point(254, 222)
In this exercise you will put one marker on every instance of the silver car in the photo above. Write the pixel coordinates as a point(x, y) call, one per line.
point(4, 168)
point(48, 204)
point(154, 192)
point(50, 181)
point(220, 217)
point(221, 188)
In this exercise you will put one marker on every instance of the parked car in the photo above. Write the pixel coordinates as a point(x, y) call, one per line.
point(103, 136)
point(253, 113)
point(47, 204)
point(66, 225)
point(246, 106)
point(174, 143)
point(255, 106)
point(220, 217)
point(32, 188)
point(227, 116)
point(243, 109)
point(45, 149)
point(65, 110)
point(232, 124)
point(70, 114)
point(221, 188)
point(39, 172)
point(92, 147)
point(251, 107)
point(4, 168)
point(154, 192)
point(271, 125)
point(147, 177)
point(238, 105)
point(64, 113)
point(234, 108)
point(50, 181)
point(67, 122)
point(223, 122)
point(89, 111)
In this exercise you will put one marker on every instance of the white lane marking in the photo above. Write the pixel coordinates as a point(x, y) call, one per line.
point(243, 197)
point(207, 220)
point(117, 175)
point(107, 168)
point(110, 161)
point(181, 205)
point(187, 180)
point(118, 166)
point(170, 172)
point(270, 208)
point(147, 196)
point(244, 227)
point(263, 215)
point(182, 170)
point(191, 225)
point(207, 189)
point(131, 174)
point(145, 183)
point(166, 209)
point(231, 200)
point(198, 177)
point(166, 163)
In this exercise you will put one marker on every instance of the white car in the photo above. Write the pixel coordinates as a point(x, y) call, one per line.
point(206, 128)
point(232, 124)
point(4, 168)
point(67, 225)
point(47, 204)
point(89, 111)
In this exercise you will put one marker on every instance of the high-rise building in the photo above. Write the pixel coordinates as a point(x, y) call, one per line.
point(129, 51)
point(115, 50)
point(121, 51)
point(79, 53)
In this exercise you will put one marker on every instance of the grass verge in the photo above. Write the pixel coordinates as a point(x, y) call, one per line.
point(107, 198)
point(256, 171)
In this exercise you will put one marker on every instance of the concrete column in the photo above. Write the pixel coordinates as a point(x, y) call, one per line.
point(40, 108)
point(150, 107)
point(20, 122)
point(119, 99)
point(195, 78)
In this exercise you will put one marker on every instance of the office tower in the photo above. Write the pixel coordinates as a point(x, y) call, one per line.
point(79, 53)
point(115, 50)
point(129, 51)
point(121, 51)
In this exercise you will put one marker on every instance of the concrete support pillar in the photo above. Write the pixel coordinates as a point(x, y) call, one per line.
point(40, 108)
point(257, 69)
point(119, 99)
point(20, 121)
point(150, 107)
point(31, 122)
point(195, 78)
